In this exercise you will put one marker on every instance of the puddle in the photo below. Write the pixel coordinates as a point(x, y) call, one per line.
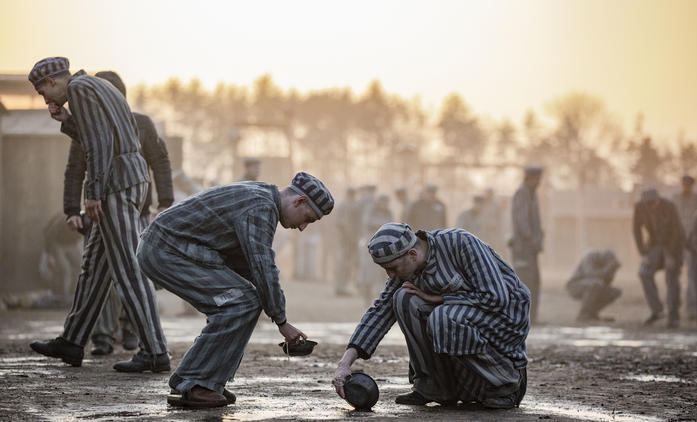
point(656, 378)
point(186, 329)
point(608, 336)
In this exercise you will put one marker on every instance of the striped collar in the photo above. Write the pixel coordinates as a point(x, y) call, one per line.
point(431, 263)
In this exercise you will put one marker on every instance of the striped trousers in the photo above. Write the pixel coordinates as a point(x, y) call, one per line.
point(113, 317)
point(110, 259)
point(231, 306)
point(445, 378)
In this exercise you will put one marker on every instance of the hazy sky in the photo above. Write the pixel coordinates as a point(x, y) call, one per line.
point(503, 57)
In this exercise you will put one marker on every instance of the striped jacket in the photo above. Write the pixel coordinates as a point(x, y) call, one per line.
point(109, 135)
point(486, 304)
point(153, 150)
point(228, 225)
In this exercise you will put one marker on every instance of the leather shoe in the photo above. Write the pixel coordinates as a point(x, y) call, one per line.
point(175, 397)
point(142, 361)
point(413, 398)
point(201, 397)
point(505, 402)
point(129, 339)
point(522, 386)
point(102, 348)
point(59, 348)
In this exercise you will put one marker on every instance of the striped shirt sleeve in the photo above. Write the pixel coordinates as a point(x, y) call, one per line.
point(96, 135)
point(256, 233)
point(376, 322)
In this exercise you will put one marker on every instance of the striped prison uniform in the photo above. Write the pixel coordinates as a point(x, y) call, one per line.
point(154, 151)
point(117, 175)
point(473, 345)
point(213, 250)
point(526, 243)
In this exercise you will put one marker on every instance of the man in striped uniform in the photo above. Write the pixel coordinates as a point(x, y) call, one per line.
point(462, 309)
point(213, 250)
point(117, 180)
point(154, 151)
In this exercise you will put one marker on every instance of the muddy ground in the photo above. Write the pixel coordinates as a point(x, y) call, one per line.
point(618, 371)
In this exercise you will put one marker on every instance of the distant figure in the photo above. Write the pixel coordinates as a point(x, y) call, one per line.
point(686, 204)
point(526, 242)
point(346, 241)
point(590, 283)
point(307, 254)
point(428, 212)
point(662, 249)
point(364, 204)
point(252, 170)
point(492, 212)
point(61, 257)
point(371, 279)
point(184, 185)
point(403, 198)
point(472, 219)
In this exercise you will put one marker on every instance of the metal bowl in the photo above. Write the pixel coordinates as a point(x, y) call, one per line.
point(301, 349)
point(361, 391)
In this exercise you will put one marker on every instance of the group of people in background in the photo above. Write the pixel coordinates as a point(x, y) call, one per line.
point(671, 226)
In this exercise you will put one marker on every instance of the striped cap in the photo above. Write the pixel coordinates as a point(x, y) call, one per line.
point(53, 67)
point(390, 242)
point(317, 194)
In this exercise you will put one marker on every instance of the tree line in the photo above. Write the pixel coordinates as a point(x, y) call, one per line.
point(376, 136)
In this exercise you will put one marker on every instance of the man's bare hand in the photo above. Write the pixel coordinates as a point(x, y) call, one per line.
point(93, 209)
point(344, 370)
point(436, 299)
point(58, 112)
point(292, 335)
point(74, 223)
point(339, 380)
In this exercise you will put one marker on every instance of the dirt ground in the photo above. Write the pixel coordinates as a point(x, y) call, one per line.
point(618, 371)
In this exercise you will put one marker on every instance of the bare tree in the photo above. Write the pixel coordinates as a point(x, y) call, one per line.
point(582, 132)
point(461, 129)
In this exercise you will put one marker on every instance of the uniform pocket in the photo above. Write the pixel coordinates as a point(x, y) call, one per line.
point(455, 284)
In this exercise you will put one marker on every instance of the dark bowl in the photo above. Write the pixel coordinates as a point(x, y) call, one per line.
point(302, 349)
point(361, 391)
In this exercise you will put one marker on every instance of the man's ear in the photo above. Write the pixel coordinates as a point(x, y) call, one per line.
point(50, 80)
point(412, 254)
point(300, 200)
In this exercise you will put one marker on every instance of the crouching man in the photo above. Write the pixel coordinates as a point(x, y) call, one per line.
point(463, 311)
point(214, 250)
